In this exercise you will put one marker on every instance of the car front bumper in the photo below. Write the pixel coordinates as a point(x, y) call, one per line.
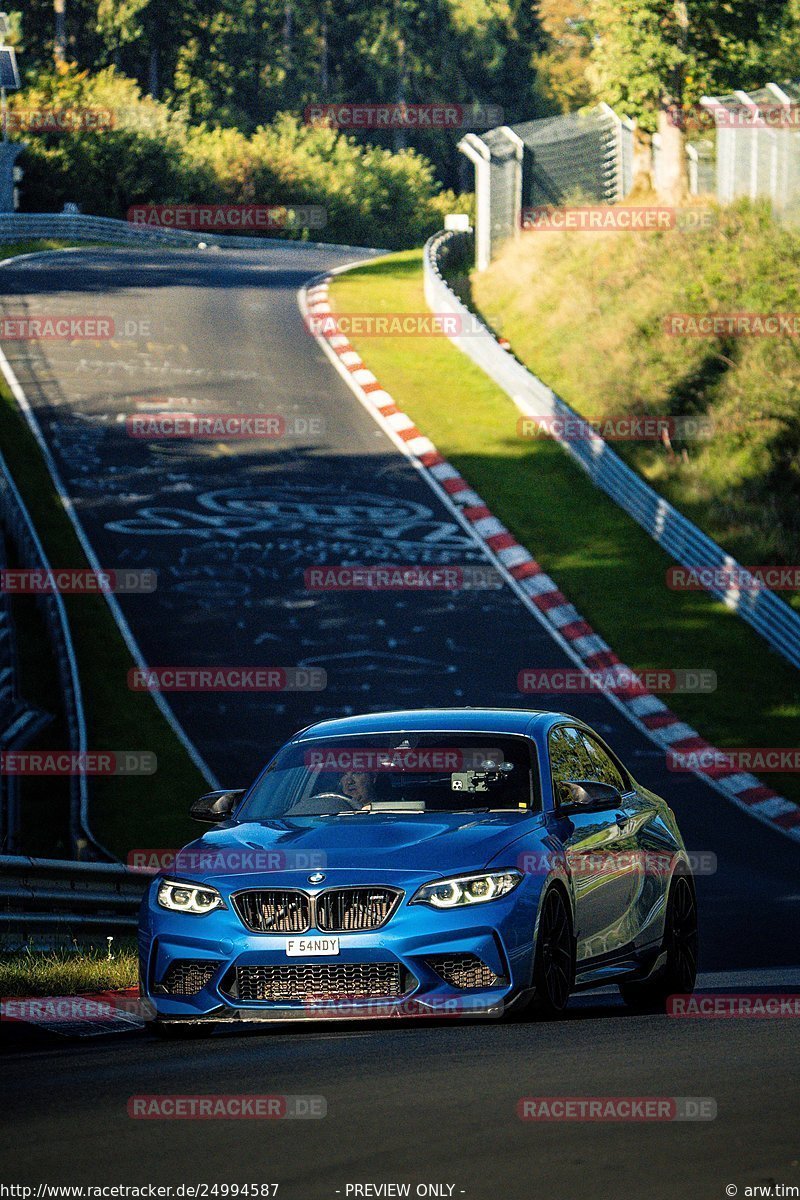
point(431, 958)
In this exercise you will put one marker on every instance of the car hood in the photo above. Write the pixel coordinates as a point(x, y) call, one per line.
point(441, 843)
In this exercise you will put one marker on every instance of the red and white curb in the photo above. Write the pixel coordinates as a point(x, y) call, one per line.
point(540, 592)
point(86, 1015)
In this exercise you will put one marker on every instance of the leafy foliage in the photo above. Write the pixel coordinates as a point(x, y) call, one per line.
point(153, 155)
point(241, 62)
point(650, 53)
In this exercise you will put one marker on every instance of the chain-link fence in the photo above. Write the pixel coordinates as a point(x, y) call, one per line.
point(699, 165)
point(542, 162)
point(758, 146)
point(587, 154)
point(750, 147)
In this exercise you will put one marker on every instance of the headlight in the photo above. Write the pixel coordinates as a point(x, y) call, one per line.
point(467, 889)
point(188, 897)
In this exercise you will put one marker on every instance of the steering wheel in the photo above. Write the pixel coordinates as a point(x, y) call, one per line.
point(308, 806)
point(336, 796)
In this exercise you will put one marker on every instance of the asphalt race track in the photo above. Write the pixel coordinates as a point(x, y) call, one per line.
point(230, 528)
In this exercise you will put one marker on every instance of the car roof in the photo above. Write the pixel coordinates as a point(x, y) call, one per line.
point(434, 720)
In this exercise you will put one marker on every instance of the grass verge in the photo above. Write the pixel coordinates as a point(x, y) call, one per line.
point(69, 972)
point(125, 811)
point(14, 249)
point(602, 318)
point(605, 564)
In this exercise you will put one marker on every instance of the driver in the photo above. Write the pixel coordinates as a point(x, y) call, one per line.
point(359, 786)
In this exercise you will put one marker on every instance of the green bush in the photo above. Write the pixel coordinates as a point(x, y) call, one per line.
point(151, 155)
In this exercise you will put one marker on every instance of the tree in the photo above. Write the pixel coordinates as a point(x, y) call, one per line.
point(60, 38)
point(778, 45)
point(655, 59)
point(119, 24)
point(563, 65)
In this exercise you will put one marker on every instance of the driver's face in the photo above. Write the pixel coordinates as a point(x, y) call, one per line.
point(358, 786)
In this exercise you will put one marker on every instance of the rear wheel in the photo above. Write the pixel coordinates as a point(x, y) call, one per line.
point(554, 964)
point(680, 945)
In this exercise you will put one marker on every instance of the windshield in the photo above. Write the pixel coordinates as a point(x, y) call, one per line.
point(400, 773)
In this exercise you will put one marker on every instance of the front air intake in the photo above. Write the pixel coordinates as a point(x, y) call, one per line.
point(464, 971)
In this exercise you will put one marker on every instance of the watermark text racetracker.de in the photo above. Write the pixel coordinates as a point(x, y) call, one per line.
point(69, 1010)
point(393, 324)
point(223, 861)
point(743, 760)
point(422, 759)
point(618, 679)
point(416, 117)
point(617, 862)
point(732, 324)
point(400, 578)
point(408, 1009)
point(242, 1107)
point(78, 762)
point(618, 218)
point(72, 582)
point(627, 427)
point(232, 218)
point(734, 578)
point(222, 426)
point(617, 1108)
point(716, 1006)
point(227, 679)
point(74, 327)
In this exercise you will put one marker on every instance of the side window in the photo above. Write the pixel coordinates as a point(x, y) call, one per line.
point(575, 756)
point(564, 762)
point(570, 760)
point(602, 768)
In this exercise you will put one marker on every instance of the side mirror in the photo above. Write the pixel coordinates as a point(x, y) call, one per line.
point(585, 793)
point(215, 806)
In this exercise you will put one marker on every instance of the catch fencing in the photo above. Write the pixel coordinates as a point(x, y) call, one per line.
point(758, 146)
point(761, 608)
point(743, 144)
point(540, 163)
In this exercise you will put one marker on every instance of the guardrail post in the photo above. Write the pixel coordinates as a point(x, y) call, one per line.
point(480, 156)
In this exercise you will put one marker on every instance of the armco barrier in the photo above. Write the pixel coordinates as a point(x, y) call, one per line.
point(770, 616)
point(51, 898)
point(17, 522)
point(77, 227)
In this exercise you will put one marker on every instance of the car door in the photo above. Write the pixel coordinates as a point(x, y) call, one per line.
point(599, 845)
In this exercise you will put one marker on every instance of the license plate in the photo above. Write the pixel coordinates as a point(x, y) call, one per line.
point(310, 947)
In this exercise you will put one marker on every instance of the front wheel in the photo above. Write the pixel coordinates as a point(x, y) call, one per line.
point(554, 963)
point(679, 975)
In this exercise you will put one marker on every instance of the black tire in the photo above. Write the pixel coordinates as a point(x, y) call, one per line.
point(182, 1030)
point(680, 944)
point(554, 961)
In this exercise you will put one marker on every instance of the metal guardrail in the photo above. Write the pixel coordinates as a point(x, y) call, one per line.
point(51, 897)
point(77, 227)
point(770, 616)
point(17, 522)
point(84, 228)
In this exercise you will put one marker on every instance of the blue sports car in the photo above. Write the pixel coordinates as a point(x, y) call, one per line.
point(454, 862)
